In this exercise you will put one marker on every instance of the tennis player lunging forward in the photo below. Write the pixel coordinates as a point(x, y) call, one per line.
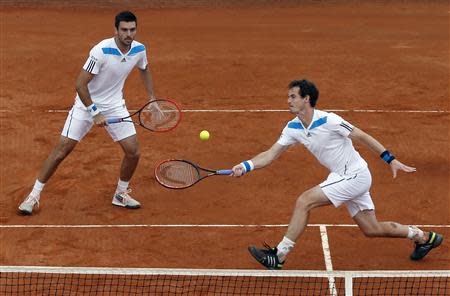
point(329, 138)
point(99, 96)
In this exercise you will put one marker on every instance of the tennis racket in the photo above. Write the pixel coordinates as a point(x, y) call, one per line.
point(161, 115)
point(180, 174)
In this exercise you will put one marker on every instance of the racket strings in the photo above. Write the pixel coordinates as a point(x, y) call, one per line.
point(177, 174)
point(159, 116)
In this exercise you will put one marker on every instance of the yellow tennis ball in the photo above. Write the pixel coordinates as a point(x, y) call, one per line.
point(204, 135)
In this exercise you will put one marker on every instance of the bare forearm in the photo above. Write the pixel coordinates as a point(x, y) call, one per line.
point(378, 148)
point(261, 160)
point(367, 140)
point(267, 157)
point(373, 144)
point(146, 77)
point(83, 93)
point(82, 87)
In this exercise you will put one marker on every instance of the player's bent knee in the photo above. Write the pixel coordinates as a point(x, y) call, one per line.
point(63, 149)
point(304, 203)
point(309, 200)
point(130, 147)
point(300, 203)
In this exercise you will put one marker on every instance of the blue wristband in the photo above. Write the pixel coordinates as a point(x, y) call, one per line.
point(248, 165)
point(93, 110)
point(387, 156)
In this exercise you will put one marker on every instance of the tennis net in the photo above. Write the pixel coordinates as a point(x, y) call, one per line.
point(62, 281)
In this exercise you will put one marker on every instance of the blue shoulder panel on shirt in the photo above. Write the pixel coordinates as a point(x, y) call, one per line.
point(136, 50)
point(319, 122)
point(295, 125)
point(111, 50)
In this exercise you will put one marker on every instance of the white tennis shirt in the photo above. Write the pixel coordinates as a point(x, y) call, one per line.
point(327, 139)
point(111, 68)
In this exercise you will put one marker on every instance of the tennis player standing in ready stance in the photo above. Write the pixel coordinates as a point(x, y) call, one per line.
point(99, 89)
point(329, 138)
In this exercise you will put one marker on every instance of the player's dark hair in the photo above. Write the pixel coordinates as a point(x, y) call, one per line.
point(125, 16)
point(306, 88)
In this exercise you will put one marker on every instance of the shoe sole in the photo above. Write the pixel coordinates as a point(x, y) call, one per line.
point(253, 251)
point(439, 240)
point(124, 206)
point(26, 213)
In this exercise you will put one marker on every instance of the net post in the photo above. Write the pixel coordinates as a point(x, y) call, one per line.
point(348, 284)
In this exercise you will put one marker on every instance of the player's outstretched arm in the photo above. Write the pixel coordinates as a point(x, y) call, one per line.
point(259, 161)
point(378, 148)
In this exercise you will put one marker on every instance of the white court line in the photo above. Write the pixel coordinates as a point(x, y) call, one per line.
point(257, 111)
point(185, 225)
point(327, 110)
point(276, 110)
point(327, 257)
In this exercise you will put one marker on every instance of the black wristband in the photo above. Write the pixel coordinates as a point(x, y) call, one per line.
point(387, 156)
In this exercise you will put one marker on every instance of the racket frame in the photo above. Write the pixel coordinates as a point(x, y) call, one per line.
point(139, 122)
point(197, 167)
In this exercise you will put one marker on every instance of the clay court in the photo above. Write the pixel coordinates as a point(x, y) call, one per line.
point(383, 66)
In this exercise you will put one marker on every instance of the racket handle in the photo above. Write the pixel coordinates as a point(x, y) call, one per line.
point(224, 172)
point(114, 120)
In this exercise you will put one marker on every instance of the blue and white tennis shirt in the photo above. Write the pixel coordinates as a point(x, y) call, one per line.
point(327, 139)
point(111, 68)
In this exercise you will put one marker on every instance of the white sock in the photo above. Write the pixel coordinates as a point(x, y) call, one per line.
point(284, 247)
point(122, 186)
point(415, 234)
point(37, 188)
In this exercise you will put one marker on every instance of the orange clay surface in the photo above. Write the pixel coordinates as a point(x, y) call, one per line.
point(362, 56)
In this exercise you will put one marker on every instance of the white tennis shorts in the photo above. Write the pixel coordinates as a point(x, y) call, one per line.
point(79, 122)
point(351, 190)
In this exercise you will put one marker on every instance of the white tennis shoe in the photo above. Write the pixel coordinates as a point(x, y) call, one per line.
point(123, 199)
point(26, 207)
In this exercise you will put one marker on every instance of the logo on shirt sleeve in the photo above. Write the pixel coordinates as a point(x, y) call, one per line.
point(346, 126)
point(91, 65)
